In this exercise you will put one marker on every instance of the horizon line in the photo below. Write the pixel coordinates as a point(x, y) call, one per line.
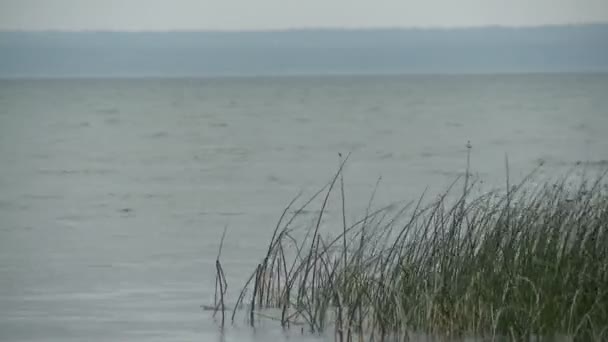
point(304, 75)
point(315, 28)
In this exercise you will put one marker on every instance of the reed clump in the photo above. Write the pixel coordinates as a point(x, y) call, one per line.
point(530, 262)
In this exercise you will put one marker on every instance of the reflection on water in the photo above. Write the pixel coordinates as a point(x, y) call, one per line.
point(115, 192)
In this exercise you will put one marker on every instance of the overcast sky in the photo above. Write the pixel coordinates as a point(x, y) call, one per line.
point(281, 14)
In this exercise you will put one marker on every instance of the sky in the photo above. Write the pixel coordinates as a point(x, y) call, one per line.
point(235, 15)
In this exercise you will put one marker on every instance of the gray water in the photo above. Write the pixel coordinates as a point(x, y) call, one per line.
point(114, 193)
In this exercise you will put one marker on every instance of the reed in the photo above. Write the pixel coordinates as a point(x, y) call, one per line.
point(527, 263)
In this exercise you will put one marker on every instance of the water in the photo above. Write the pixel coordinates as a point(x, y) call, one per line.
point(114, 193)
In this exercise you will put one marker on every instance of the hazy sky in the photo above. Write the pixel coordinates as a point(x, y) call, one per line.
point(280, 14)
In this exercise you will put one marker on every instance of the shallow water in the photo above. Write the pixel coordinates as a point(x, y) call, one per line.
point(114, 193)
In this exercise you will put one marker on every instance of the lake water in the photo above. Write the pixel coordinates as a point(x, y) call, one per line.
point(114, 193)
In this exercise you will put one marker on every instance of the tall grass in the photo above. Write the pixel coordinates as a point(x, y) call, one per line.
point(527, 262)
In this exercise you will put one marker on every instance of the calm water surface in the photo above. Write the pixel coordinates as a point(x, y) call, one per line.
point(114, 193)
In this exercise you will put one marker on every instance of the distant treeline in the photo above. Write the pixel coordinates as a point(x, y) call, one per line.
point(175, 54)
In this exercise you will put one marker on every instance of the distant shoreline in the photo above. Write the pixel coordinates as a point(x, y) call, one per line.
point(487, 50)
point(324, 29)
point(599, 73)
